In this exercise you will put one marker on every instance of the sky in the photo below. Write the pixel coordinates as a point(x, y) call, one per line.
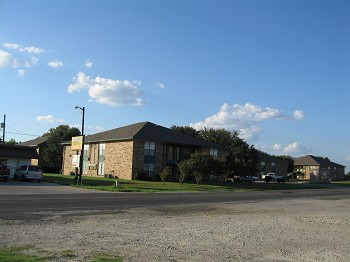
point(276, 71)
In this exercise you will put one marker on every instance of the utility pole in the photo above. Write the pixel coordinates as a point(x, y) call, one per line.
point(3, 125)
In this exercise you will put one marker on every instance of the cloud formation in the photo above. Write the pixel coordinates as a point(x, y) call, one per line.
point(55, 64)
point(244, 119)
point(108, 91)
point(294, 149)
point(49, 118)
point(6, 59)
point(20, 57)
point(24, 49)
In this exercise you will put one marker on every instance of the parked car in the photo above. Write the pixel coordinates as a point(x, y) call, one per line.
point(4, 172)
point(269, 177)
point(249, 179)
point(29, 172)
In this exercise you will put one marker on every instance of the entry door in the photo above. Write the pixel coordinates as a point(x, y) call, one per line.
point(101, 159)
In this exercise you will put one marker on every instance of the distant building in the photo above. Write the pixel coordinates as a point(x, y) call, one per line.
point(15, 155)
point(143, 147)
point(272, 164)
point(319, 169)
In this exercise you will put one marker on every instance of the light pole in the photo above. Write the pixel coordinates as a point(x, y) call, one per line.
point(82, 149)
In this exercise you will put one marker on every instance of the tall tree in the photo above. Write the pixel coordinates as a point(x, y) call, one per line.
point(55, 137)
point(186, 130)
point(241, 159)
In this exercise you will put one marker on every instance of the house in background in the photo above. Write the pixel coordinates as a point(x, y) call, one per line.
point(138, 148)
point(272, 164)
point(319, 169)
point(15, 155)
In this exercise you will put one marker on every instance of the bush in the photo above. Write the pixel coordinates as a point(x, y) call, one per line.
point(165, 175)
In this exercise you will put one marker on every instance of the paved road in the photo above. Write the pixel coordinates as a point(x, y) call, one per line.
point(30, 200)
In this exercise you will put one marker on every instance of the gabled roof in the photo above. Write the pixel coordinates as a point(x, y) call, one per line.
point(40, 141)
point(16, 151)
point(311, 160)
point(147, 131)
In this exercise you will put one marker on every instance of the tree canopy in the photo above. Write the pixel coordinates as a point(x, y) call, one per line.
point(241, 158)
point(55, 137)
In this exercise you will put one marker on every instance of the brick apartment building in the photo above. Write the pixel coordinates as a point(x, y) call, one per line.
point(138, 148)
point(319, 169)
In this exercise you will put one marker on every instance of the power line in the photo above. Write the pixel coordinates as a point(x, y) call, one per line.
point(19, 132)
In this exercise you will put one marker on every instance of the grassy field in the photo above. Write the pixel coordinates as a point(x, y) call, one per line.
point(109, 184)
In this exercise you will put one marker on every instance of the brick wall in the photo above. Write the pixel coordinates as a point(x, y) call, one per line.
point(119, 159)
point(67, 160)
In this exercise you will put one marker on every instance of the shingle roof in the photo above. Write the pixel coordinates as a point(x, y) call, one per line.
point(16, 151)
point(35, 142)
point(311, 160)
point(147, 131)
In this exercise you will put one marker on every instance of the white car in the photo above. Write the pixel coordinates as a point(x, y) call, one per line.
point(29, 172)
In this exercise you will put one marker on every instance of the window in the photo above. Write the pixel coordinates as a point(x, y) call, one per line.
point(170, 152)
point(213, 152)
point(150, 148)
point(149, 158)
point(149, 168)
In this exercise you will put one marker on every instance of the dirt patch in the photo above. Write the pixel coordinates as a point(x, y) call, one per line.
point(288, 230)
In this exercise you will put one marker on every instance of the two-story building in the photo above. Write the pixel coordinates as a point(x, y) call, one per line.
point(138, 148)
point(319, 169)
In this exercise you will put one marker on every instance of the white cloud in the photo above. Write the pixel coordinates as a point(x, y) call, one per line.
point(25, 49)
point(108, 91)
point(88, 64)
point(298, 115)
point(49, 118)
point(6, 59)
point(294, 149)
point(55, 64)
point(34, 60)
point(244, 119)
point(159, 85)
point(21, 72)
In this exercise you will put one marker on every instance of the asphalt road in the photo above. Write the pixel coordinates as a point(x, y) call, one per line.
point(30, 200)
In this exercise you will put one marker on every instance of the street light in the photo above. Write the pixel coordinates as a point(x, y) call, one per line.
point(82, 149)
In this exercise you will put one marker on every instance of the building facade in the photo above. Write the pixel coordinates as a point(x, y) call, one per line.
point(139, 149)
point(319, 169)
point(272, 164)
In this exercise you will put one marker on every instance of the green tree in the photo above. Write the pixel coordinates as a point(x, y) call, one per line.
point(201, 166)
point(11, 142)
point(186, 130)
point(241, 159)
point(55, 137)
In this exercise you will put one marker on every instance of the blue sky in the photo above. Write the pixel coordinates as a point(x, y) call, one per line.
point(277, 71)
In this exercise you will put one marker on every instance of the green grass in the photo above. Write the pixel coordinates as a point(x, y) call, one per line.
point(108, 184)
point(31, 254)
point(15, 254)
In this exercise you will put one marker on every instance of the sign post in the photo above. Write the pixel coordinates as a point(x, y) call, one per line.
point(77, 144)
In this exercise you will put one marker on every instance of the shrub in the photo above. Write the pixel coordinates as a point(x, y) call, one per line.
point(165, 175)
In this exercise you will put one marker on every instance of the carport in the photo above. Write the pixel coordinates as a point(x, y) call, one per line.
point(14, 155)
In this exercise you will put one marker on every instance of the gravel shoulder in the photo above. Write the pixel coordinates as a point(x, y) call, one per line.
point(288, 230)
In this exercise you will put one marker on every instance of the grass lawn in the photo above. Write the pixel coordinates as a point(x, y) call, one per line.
point(109, 184)
point(32, 254)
